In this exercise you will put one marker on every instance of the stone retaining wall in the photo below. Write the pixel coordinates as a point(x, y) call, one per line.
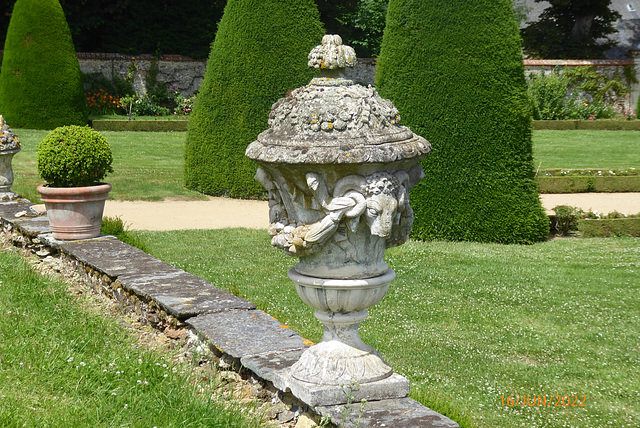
point(243, 336)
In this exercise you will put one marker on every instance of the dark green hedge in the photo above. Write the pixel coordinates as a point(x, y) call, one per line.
point(454, 70)
point(140, 125)
point(591, 228)
point(581, 184)
point(259, 54)
point(600, 124)
point(40, 82)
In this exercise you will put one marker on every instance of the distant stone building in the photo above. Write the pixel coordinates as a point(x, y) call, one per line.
point(627, 37)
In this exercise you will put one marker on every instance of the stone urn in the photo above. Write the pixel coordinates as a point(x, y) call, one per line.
point(338, 167)
point(9, 146)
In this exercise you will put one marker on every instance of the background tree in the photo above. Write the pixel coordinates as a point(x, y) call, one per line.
point(365, 24)
point(454, 70)
point(40, 82)
point(259, 54)
point(577, 29)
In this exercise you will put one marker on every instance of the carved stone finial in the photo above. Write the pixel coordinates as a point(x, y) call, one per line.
point(8, 140)
point(332, 54)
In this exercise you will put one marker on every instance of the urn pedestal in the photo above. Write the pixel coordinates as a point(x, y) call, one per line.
point(9, 146)
point(338, 167)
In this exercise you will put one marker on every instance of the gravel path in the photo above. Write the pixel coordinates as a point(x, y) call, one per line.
point(218, 213)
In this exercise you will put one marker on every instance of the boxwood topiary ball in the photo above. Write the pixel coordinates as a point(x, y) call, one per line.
point(73, 156)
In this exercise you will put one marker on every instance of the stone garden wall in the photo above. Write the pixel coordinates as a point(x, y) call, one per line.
point(187, 73)
point(183, 72)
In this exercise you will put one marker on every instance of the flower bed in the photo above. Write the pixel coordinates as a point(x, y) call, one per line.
point(588, 180)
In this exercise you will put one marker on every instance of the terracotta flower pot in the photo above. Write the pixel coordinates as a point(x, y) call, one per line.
point(75, 212)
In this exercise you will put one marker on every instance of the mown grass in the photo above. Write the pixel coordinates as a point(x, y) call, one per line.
point(64, 365)
point(586, 149)
point(147, 166)
point(150, 165)
point(471, 324)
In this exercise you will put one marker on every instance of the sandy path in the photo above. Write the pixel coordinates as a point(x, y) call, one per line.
point(218, 213)
point(604, 203)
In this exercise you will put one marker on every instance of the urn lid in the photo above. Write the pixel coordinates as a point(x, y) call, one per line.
point(332, 120)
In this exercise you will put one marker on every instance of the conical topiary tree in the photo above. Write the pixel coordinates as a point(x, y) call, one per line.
point(454, 70)
point(40, 82)
point(258, 55)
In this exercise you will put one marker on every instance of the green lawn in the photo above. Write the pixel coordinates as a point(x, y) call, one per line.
point(471, 324)
point(586, 149)
point(149, 165)
point(63, 364)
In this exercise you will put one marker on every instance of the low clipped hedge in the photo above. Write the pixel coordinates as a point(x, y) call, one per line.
point(596, 125)
point(592, 228)
point(140, 125)
point(582, 184)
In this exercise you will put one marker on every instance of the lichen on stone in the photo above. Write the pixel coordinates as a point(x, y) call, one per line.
point(8, 140)
point(332, 54)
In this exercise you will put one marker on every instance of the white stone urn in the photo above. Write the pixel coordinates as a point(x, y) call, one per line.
point(338, 167)
point(9, 146)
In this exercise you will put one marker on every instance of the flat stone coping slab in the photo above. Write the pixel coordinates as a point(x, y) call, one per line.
point(398, 413)
point(246, 333)
point(179, 293)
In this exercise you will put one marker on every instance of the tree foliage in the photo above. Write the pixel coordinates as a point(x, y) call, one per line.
point(258, 55)
point(187, 28)
point(454, 70)
point(577, 29)
point(40, 81)
point(366, 24)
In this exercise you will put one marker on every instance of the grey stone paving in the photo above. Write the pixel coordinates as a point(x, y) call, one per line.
point(231, 324)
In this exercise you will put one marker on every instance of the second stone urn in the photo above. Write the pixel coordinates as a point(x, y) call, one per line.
point(338, 167)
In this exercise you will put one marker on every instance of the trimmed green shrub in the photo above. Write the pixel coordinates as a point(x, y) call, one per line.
point(259, 54)
point(40, 82)
point(73, 156)
point(454, 70)
point(566, 219)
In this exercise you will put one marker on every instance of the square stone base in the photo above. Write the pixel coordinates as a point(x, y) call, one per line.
point(395, 386)
point(276, 368)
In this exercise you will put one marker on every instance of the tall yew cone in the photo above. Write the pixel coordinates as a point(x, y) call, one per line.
point(40, 82)
point(258, 55)
point(454, 70)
